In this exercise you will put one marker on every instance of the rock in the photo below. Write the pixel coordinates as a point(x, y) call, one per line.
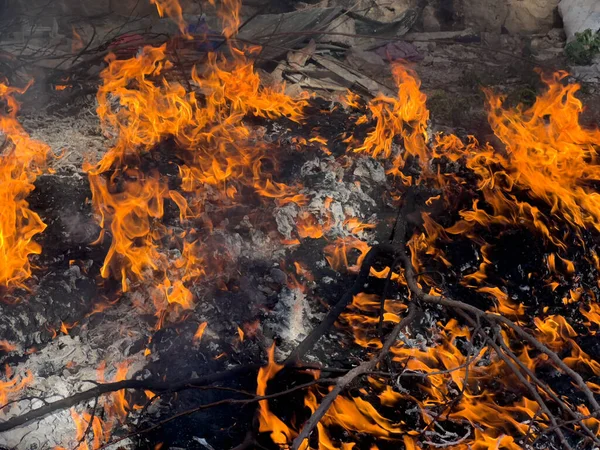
point(556, 35)
point(278, 276)
point(491, 40)
point(532, 16)
point(518, 17)
point(399, 50)
point(485, 15)
point(588, 74)
point(430, 21)
point(579, 15)
point(367, 62)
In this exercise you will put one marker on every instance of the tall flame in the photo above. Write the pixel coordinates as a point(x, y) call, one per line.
point(21, 162)
point(171, 8)
point(280, 433)
point(141, 108)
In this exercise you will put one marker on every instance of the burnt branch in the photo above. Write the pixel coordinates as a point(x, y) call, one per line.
point(473, 315)
point(341, 383)
point(105, 388)
point(494, 319)
point(227, 401)
point(359, 284)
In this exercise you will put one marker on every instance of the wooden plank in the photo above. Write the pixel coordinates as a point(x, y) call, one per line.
point(353, 77)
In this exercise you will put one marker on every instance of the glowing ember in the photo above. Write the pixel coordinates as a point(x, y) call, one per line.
point(199, 332)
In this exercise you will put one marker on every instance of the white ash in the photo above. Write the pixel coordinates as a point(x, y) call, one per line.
point(259, 247)
point(285, 218)
point(73, 138)
point(333, 199)
point(62, 368)
point(292, 317)
point(370, 168)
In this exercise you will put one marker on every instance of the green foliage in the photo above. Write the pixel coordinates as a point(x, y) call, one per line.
point(582, 50)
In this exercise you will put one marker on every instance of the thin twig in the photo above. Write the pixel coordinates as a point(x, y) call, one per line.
point(227, 401)
point(344, 381)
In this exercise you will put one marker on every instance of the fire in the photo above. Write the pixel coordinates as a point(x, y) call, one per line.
point(280, 433)
point(405, 116)
point(77, 43)
point(173, 9)
point(13, 384)
point(309, 226)
point(199, 332)
point(6, 346)
point(65, 327)
point(543, 180)
point(21, 162)
point(116, 405)
point(550, 158)
point(363, 318)
point(140, 106)
point(549, 151)
point(115, 409)
point(355, 226)
point(82, 423)
point(338, 252)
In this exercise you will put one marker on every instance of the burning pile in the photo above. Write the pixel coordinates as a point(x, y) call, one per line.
point(475, 319)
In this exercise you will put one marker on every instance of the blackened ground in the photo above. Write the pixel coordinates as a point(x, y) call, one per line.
point(63, 286)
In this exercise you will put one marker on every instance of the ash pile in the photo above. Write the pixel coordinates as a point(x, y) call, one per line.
point(232, 262)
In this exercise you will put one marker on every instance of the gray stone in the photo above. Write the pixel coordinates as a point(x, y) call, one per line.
point(532, 16)
point(579, 15)
point(518, 17)
point(430, 21)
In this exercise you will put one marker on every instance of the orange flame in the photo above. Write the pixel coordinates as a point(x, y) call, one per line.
point(82, 423)
point(211, 138)
point(280, 433)
point(6, 346)
point(172, 8)
point(199, 332)
point(22, 161)
point(116, 406)
point(13, 384)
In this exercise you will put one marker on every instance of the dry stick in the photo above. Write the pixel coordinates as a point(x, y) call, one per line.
point(530, 387)
point(530, 427)
point(548, 390)
point(333, 314)
point(344, 381)
point(449, 406)
point(105, 388)
point(564, 423)
point(455, 304)
point(384, 294)
point(227, 401)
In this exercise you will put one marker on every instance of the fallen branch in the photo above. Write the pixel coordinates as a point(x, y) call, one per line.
point(465, 309)
point(493, 318)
